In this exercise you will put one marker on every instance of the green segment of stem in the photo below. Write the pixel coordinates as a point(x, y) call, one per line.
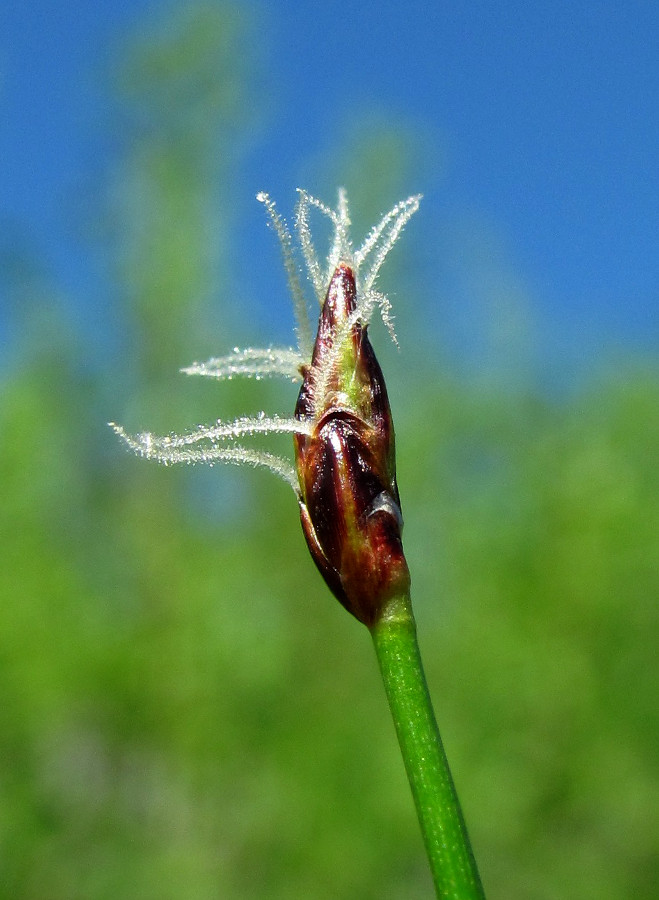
point(444, 833)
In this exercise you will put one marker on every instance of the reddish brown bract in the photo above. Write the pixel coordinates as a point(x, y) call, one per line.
point(349, 504)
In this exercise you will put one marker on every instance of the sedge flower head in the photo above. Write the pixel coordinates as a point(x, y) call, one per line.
point(344, 461)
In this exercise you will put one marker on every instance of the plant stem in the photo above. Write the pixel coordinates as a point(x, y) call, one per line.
point(444, 832)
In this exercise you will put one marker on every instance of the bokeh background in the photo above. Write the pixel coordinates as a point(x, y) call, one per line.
point(185, 712)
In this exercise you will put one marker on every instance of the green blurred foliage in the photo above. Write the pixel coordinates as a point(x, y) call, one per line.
point(186, 712)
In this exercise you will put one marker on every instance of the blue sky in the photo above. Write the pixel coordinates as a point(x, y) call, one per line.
point(545, 117)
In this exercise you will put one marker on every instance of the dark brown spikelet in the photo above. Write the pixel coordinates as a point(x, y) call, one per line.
point(349, 504)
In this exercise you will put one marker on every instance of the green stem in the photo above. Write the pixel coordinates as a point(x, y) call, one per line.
point(442, 825)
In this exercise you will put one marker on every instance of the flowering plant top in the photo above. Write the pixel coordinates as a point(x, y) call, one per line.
point(344, 474)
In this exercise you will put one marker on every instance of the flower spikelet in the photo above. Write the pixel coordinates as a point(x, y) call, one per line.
point(344, 475)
